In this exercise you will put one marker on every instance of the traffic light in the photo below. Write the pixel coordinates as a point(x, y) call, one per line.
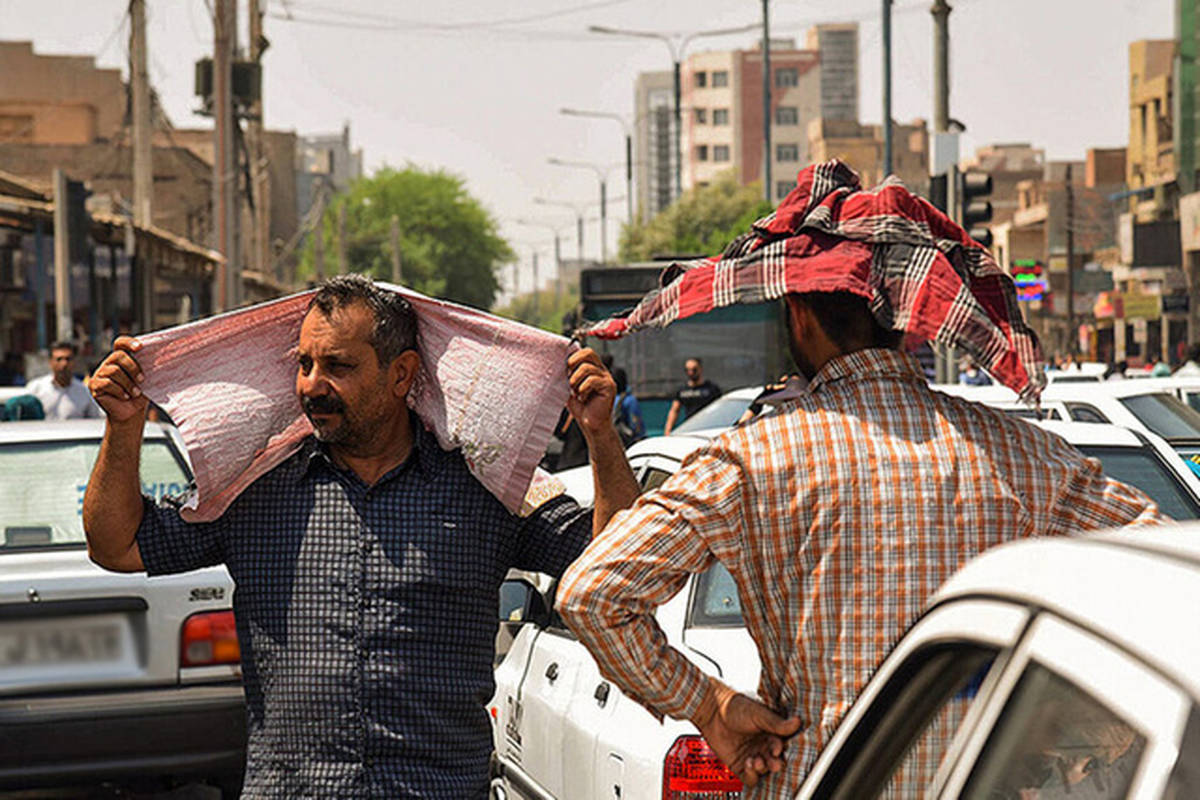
point(975, 210)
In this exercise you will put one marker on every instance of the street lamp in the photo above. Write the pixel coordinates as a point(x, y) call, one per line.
point(577, 209)
point(601, 175)
point(625, 126)
point(676, 43)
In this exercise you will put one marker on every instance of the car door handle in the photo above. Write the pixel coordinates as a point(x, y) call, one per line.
point(601, 693)
point(552, 671)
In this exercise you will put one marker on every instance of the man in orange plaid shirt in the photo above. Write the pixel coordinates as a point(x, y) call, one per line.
point(839, 513)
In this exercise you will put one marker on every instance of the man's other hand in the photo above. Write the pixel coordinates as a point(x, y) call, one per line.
point(114, 384)
point(593, 391)
point(745, 734)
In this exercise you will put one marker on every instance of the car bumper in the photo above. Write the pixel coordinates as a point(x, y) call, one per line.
point(180, 730)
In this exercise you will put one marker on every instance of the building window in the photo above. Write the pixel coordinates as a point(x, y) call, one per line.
point(720, 78)
point(787, 115)
point(787, 152)
point(702, 152)
point(701, 116)
point(786, 76)
point(782, 188)
point(720, 116)
point(720, 152)
point(701, 80)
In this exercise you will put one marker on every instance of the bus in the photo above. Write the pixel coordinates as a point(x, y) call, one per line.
point(739, 345)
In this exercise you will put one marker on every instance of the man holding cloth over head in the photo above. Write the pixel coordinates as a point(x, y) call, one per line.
point(840, 512)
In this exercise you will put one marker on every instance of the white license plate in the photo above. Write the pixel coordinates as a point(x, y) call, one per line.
point(79, 641)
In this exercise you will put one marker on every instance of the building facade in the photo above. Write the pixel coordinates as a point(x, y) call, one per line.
point(653, 145)
point(838, 49)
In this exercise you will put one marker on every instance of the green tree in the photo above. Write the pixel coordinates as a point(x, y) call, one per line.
point(701, 222)
point(449, 243)
point(546, 311)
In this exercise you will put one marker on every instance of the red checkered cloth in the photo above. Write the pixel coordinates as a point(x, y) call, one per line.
point(920, 271)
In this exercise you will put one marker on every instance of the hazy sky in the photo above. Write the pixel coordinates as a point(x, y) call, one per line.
point(474, 86)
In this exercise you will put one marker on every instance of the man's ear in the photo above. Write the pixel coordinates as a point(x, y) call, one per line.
point(800, 317)
point(403, 371)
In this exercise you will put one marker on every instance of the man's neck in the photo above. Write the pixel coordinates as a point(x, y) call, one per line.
point(63, 382)
point(377, 458)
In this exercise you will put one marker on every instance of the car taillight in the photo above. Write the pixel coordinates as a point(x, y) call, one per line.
point(209, 638)
point(692, 771)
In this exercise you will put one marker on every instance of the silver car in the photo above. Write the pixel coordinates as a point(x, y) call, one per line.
point(106, 676)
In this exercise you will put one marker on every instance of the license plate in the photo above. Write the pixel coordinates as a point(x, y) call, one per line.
point(98, 641)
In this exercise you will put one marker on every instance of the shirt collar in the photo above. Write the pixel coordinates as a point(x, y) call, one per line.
point(873, 362)
point(426, 456)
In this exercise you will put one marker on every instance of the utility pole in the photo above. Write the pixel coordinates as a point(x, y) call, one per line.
point(319, 236)
point(558, 287)
point(603, 221)
point(887, 88)
point(395, 249)
point(537, 296)
point(343, 267)
point(63, 327)
point(260, 240)
point(143, 168)
point(1072, 334)
point(766, 90)
point(224, 169)
point(941, 65)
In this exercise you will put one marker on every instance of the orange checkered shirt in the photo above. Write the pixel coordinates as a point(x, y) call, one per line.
point(838, 515)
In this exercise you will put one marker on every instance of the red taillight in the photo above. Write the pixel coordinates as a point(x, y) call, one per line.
point(209, 638)
point(692, 771)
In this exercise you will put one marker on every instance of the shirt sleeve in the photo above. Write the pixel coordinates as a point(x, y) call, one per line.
point(169, 545)
point(552, 536)
point(1090, 500)
point(641, 560)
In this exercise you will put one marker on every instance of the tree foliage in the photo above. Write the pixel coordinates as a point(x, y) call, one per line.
point(449, 243)
point(701, 222)
point(544, 310)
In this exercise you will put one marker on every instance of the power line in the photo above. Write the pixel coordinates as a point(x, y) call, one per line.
point(447, 26)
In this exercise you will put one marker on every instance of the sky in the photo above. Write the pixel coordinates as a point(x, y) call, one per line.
point(475, 86)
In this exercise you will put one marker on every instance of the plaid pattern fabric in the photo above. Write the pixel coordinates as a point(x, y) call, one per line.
point(920, 271)
point(367, 617)
point(838, 514)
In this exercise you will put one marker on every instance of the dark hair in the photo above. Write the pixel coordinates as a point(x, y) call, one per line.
point(395, 329)
point(1193, 353)
point(620, 379)
point(847, 319)
point(64, 344)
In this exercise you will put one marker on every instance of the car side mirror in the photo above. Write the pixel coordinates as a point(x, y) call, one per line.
point(521, 602)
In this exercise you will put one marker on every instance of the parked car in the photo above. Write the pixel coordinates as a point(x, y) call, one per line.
point(106, 676)
point(1061, 666)
point(563, 731)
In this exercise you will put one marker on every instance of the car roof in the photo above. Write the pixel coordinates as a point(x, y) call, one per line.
point(44, 430)
point(1091, 433)
point(1090, 579)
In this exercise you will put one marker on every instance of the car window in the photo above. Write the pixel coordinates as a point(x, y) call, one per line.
point(1193, 400)
point(654, 478)
point(720, 413)
point(896, 748)
point(1167, 416)
point(1054, 740)
point(715, 602)
point(1141, 467)
point(41, 495)
point(1082, 412)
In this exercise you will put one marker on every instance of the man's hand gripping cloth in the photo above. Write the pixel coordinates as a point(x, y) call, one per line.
point(489, 386)
point(920, 271)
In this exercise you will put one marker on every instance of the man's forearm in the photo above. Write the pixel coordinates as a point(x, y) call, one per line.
point(112, 504)
point(612, 479)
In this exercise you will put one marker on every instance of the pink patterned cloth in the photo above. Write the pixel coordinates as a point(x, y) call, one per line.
point(489, 386)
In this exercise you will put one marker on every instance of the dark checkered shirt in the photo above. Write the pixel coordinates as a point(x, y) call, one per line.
point(367, 617)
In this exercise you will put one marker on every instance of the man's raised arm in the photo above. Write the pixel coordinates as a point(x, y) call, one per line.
point(112, 504)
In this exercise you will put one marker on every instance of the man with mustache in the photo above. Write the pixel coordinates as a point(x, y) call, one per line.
point(367, 565)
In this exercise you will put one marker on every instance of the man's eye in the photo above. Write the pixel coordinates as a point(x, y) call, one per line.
point(305, 363)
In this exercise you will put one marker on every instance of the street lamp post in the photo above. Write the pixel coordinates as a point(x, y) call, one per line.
point(625, 126)
point(602, 175)
point(558, 287)
point(676, 43)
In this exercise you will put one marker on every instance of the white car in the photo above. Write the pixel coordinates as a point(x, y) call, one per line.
point(106, 676)
point(563, 731)
point(1061, 666)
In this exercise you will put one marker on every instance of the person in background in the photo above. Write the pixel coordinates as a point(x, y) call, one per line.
point(973, 375)
point(695, 394)
point(62, 395)
point(627, 412)
point(1191, 367)
point(1116, 370)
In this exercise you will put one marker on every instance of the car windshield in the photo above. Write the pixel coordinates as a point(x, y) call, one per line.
point(1142, 468)
point(1165, 415)
point(715, 602)
point(41, 494)
point(720, 413)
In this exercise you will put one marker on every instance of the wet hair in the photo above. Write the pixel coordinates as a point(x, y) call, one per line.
point(847, 320)
point(64, 344)
point(395, 328)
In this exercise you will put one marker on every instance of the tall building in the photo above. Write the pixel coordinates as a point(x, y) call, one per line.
point(653, 146)
point(838, 46)
point(1186, 94)
point(57, 99)
point(1151, 155)
point(723, 123)
point(861, 146)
